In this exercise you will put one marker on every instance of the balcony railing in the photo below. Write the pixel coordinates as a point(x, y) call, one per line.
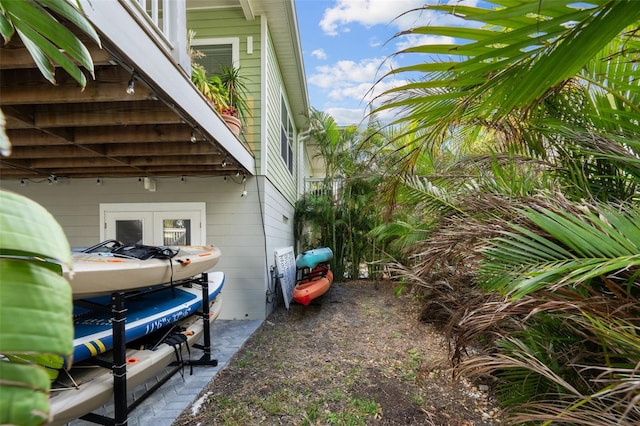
point(323, 187)
point(166, 22)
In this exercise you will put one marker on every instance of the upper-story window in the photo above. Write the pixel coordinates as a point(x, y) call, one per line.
point(218, 53)
point(286, 136)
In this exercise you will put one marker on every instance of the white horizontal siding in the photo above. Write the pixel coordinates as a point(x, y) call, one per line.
point(279, 233)
point(233, 223)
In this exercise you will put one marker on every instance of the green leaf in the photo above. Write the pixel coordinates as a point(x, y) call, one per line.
point(52, 363)
point(28, 229)
point(41, 59)
point(26, 15)
point(67, 10)
point(38, 44)
point(37, 310)
point(6, 28)
point(24, 394)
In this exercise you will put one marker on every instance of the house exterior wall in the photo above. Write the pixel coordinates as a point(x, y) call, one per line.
point(223, 23)
point(233, 223)
point(247, 229)
point(278, 228)
point(276, 169)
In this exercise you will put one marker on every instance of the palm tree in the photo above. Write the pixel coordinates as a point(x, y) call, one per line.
point(548, 216)
point(343, 214)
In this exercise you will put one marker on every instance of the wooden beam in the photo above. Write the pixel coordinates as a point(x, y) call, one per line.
point(27, 152)
point(113, 150)
point(18, 57)
point(104, 134)
point(134, 133)
point(19, 87)
point(160, 149)
point(35, 137)
point(196, 172)
point(97, 162)
point(104, 113)
point(176, 160)
point(16, 114)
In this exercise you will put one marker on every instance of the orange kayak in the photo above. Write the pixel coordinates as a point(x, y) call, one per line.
point(313, 285)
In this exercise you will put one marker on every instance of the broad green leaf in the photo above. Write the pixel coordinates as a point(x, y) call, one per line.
point(28, 229)
point(52, 363)
point(24, 394)
point(69, 11)
point(38, 44)
point(41, 22)
point(36, 314)
point(6, 28)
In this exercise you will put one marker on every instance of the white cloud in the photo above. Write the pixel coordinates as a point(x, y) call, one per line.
point(347, 73)
point(319, 54)
point(365, 12)
point(350, 81)
point(358, 116)
point(382, 12)
point(346, 116)
point(420, 40)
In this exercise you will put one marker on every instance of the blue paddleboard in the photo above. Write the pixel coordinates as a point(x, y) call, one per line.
point(146, 314)
point(312, 258)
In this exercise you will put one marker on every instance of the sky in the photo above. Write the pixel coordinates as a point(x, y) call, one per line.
point(348, 45)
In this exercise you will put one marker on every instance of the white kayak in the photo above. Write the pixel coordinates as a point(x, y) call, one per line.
point(110, 267)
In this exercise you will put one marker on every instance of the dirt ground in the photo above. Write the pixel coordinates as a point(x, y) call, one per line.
point(356, 356)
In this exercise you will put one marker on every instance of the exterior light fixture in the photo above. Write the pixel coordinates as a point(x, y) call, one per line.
point(224, 161)
point(131, 86)
point(244, 187)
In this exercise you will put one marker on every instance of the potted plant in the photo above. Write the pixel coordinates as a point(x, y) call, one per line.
point(226, 93)
point(211, 87)
point(235, 86)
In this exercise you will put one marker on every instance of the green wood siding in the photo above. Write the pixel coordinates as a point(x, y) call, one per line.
point(224, 23)
point(277, 171)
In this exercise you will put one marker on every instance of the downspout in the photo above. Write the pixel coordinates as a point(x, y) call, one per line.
point(301, 182)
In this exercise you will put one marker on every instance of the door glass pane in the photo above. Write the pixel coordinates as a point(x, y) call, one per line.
point(176, 232)
point(129, 231)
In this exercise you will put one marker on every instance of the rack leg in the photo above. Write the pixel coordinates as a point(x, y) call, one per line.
point(119, 359)
point(119, 366)
point(206, 346)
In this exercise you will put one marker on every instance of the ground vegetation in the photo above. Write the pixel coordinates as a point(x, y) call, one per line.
point(507, 190)
point(359, 355)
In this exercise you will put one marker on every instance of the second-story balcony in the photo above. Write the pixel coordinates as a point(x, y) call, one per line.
point(140, 116)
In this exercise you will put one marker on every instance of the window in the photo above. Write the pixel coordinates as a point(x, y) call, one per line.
point(286, 136)
point(154, 223)
point(218, 53)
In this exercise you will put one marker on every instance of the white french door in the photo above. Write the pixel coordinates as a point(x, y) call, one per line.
point(154, 223)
